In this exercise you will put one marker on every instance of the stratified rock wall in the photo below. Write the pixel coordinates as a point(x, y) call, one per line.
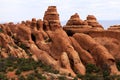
point(51, 18)
point(75, 20)
point(68, 49)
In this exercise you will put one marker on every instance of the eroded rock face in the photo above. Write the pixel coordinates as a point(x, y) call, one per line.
point(111, 44)
point(51, 18)
point(9, 48)
point(114, 28)
point(99, 52)
point(92, 21)
point(75, 20)
point(47, 41)
point(75, 24)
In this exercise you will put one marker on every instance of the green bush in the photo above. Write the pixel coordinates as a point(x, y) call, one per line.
point(91, 68)
point(25, 67)
point(3, 77)
point(47, 68)
point(15, 66)
point(23, 46)
point(31, 77)
point(21, 78)
point(57, 72)
point(11, 69)
point(27, 64)
point(118, 64)
point(75, 78)
point(3, 67)
point(40, 77)
point(62, 78)
point(1, 30)
point(90, 77)
point(18, 72)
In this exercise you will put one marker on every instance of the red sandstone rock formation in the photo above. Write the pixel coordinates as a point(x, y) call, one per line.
point(51, 18)
point(84, 55)
point(92, 21)
point(75, 24)
point(75, 20)
point(114, 27)
point(47, 41)
point(8, 47)
point(99, 53)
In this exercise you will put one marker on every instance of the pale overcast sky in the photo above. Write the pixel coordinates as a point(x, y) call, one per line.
point(18, 10)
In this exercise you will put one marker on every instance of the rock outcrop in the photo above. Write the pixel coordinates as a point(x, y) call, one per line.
point(51, 19)
point(114, 27)
point(92, 21)
point(99, 52)
point(75, 24)
point(67, 49)
point(75, 20)
point(8, 47)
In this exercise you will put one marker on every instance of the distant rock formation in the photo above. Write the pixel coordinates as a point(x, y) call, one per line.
point(92, 21)
point(114, 27)
point(75, 24)
point(75, 20)
point(68, 49)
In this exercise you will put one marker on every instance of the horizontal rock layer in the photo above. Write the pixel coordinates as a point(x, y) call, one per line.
point(68, 49)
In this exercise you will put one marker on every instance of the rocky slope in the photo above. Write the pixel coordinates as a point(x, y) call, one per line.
point(66, 49)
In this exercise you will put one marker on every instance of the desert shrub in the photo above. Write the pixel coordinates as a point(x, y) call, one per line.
point(11, 58)
point(3, 76)
point(118, 64)
point(3, 67)
point(24, 47)
point(62, 78)
point(57, 72)
point(27, 64)
point(15, 66)
point(31, 77)
point(23, 65)
point(106, 72)
point(21, 77)
point(40, 77)
point(47, 68)
point(90, 77)
point(18, 72)
point(91, 68)
point(5, 63)
point(11, 69)
point(9, 63)
point(1, 30)
point(75, 78)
